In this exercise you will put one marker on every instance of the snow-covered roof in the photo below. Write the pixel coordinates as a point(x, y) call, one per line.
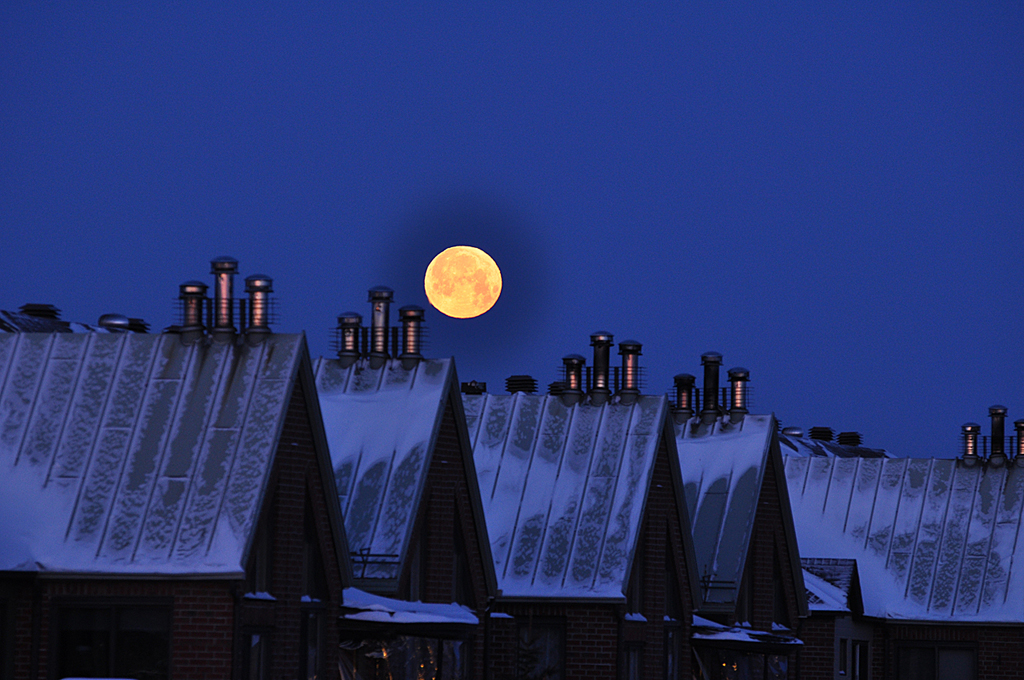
point(128, 453)
point(811, 448)
point(934, 539)
point(830, 583)
point(358, 605)
point(563, 489)
point(18, 322)
point(381, 426)
point(709, 632)
point(722, 468)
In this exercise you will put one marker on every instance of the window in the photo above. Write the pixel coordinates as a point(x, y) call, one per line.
point(937, 663)
point(861, 670)
point(634, 662)
point(844, 654)
point(114, 640)
point(311, 644)
point(541, 651)
point(256, 661)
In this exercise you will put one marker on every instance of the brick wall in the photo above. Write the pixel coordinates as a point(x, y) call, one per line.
point(816, 660)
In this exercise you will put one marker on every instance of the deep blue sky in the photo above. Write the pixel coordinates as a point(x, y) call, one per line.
point(829, 195)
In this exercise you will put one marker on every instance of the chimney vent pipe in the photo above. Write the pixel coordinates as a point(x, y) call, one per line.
point(259, 288)
point(998, 415)
point(193, 297)
point(970, 433)
point(381, 297)
point(630, 352)
point(114, 322)
point(224, 269)
point(684, 395)
point(711, 361)
point(738, 377)
point(601, 341)
point(1018, 456)
point(793, 431)
point(412, 325)
point(349, 325)
point(572, 393)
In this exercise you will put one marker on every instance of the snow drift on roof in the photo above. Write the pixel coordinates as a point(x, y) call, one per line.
point(811, 448)
point(563, 489)
point(381, 425)
point(358, 605)
point(933, 539)
point(128, 453)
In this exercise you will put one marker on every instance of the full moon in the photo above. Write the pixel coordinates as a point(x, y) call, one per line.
point(462, 282)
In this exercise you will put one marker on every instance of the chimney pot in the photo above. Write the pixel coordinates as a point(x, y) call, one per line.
point(998, 415)
point(381, 297)
point(474, 387)
point(711, 361)
point(224, 269)
point(572, 392)
point(821, 433)
point(601, 341)
point(349, 324)
point(630, 352)
point(520, 383)
point(684, 396)
point(259, 287)
point(1018, 457)
point(193, 297)
point(738, 377)
point(793, 431)
point(970, 432)
point(412, 325)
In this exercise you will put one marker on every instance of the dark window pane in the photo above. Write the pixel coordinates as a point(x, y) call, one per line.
point(957, 664)
point(142, 644)
point(541, 654)
point(917, 663)
point(83, 645)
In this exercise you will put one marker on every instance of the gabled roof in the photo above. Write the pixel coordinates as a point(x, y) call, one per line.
point(382, 426)
point(934, 539)
point(723, 467)
point(563, 489)
point(134, 454)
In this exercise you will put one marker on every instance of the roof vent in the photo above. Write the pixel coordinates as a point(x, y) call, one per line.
point(412, 328)
point(40, 311)
point(998, 415)
point(381, 297)
point(684, 396)
point(259, 288)
point(137, 325)
point(738, 377)
point(601, 341)
point(572, 386)
point(970, 432)
point(115, 322)
point(520, 383)
point(824, 434)
point(556, 388)
point(474, 387)
point(793, 431)
point(1018, 456)
point(630, 351)
point(849, 439)
point(711, 361)
point(193, 299)
point(349, 324)
point(224, 269)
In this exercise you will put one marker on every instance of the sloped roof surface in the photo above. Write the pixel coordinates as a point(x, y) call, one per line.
point(807, 447)
point(933, 539)
point(563, 489)
point(381, 426)
point(16, 322)
point(722, 468)
point(130, 453)
point(829, 582)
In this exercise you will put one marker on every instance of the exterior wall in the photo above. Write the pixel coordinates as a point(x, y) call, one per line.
point(294, 478)
point(769, 543)
point(817, 658)
point(597, 635)
point(444, 509)
point(1000, 649)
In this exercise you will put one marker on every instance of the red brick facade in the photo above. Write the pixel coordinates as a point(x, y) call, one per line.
point(598, 640)
point(207, 617)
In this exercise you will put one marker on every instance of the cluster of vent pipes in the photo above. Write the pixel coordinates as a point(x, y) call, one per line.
point(997, 456)
point(355, 342)
point(220, 315)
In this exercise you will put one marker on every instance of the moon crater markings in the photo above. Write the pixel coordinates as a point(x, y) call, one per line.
point(462, 282)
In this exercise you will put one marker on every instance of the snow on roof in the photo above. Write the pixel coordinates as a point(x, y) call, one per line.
point(722, 468)
point(829, 583)
point(358, 605)
point(933, 539)
point(128, 453)
point(17, 322)
point(812, 448)
point(381, 426)
point(563, 489)
point(711, 632)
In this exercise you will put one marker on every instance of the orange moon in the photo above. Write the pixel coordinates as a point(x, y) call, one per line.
point(462, 282)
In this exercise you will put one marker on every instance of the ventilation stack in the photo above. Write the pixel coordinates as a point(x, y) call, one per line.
point(572, 391)
point(738, 379)
point(997, 457)
point(970, 432)
point(412, 327)
point(381, 297)
point(193, 301)
point(711, 361)
point(349, 325)
point(224, 269)
point(259, 288)
point(601, 341)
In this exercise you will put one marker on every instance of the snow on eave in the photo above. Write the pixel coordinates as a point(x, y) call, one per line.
point(833, 599)
point(359, 605)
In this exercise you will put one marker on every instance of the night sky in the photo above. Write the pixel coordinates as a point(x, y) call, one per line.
point(829, 195)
